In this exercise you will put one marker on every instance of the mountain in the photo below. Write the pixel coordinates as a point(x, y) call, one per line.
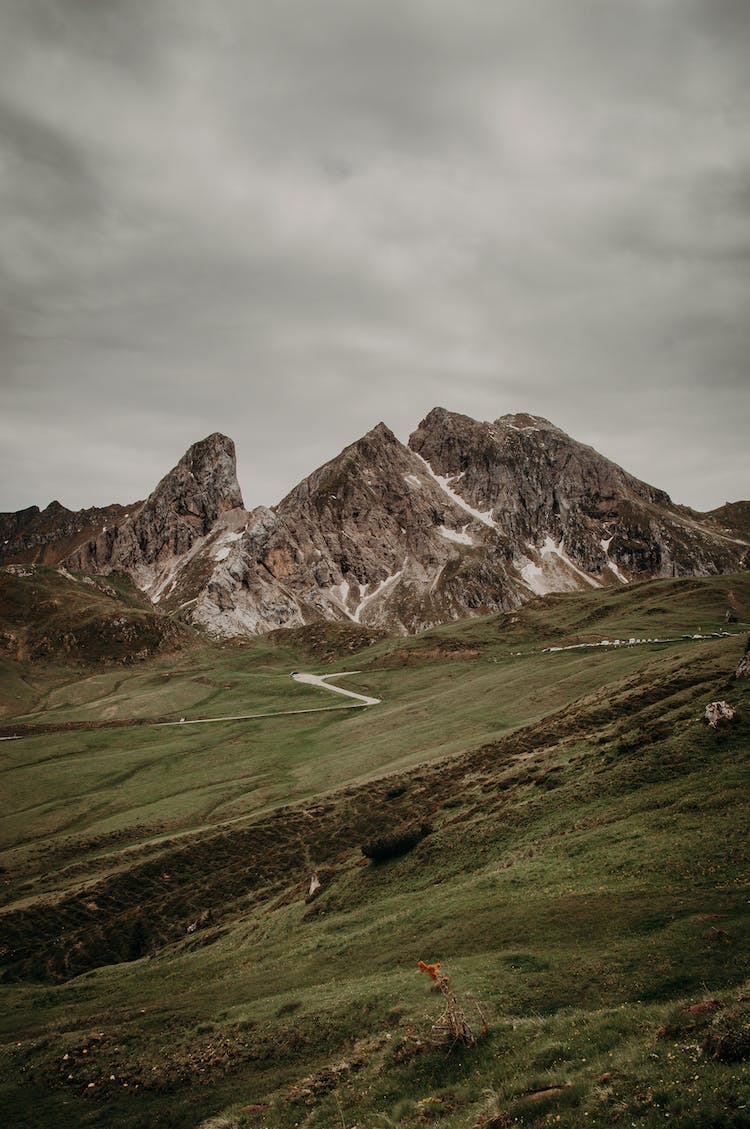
point(555, 498)
point(732, 516)
point(469, 518)
point(45, 537)
point(371, 537)
point(186, 505)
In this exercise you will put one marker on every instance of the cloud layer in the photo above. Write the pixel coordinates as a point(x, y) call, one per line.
point(290, 221)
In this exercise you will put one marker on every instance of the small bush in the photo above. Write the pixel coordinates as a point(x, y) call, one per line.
point(728, 1039)
point(398, 842)
point(288, 1008)
point(452, 1029)
point(525, 962)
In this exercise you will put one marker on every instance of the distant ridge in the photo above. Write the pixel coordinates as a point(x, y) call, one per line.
point(469, 518)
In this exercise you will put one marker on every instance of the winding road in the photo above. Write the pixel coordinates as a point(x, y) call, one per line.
point(298, 676)
point(322, 681)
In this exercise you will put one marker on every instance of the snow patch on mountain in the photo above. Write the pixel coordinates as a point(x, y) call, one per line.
point(382, 586)
point(548, 568)
point(612, 565)
point(460, 538)
point(445, 485)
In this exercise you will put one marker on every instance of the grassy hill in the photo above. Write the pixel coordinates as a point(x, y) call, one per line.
point(49, 613)
point(584, 882)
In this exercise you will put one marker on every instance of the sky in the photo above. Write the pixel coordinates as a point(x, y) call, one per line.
point(288, 221)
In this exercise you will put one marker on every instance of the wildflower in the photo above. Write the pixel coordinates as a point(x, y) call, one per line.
point(431, 970)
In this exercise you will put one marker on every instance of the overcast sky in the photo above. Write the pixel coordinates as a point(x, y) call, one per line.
point(288, 221)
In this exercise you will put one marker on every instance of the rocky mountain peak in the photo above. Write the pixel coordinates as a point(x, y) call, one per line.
point(523, 421)
point(372, 444)
point(375, 445)
point(380, 431)
point(371, 536)
point(471, 517)
point(342, 480)
point(182, 510)
point(521, 454)
point(204, 482)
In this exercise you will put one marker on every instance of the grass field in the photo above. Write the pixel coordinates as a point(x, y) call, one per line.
point(585, 881)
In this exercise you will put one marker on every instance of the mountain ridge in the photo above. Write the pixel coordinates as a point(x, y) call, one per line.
point(468, 518)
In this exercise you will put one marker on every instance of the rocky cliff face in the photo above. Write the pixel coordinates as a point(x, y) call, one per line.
point(151, 540)
point(154, 539)
point(469, 518)
point(371, 537)
point(47, 536)
point(556, 499)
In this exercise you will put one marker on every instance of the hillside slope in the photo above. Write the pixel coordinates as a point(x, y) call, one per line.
point(49, 613)
point(584, 880)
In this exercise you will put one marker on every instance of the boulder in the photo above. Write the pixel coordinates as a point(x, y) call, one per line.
point(743, 667)
point(718, 714)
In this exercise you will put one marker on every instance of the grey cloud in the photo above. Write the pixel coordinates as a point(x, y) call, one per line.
point(289, 221)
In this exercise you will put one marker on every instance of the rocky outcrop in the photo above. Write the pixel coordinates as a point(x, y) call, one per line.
point(48, 536)
point(469, 518)
point(743, 667)
point(183, 509)
point(718, 715)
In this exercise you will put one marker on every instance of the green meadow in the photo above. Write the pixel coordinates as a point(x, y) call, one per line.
point(584, 880)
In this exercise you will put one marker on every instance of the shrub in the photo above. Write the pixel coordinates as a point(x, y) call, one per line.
point(452, 1028)
point(398, 842)
point(728, 1039)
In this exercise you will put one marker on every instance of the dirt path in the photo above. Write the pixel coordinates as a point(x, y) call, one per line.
point(322, 681)
point(37, 729)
